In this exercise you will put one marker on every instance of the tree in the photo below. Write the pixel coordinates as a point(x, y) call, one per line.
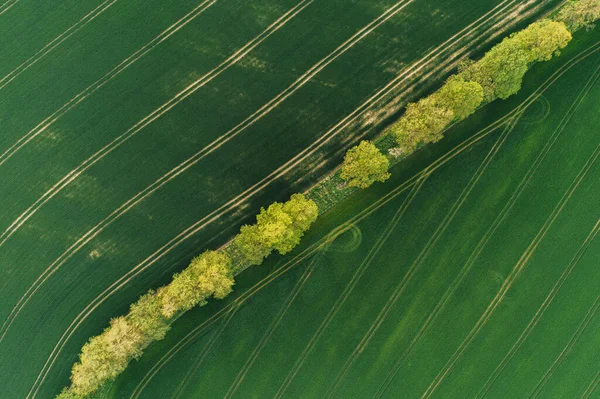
point(579, 14)
point(422, 121)
point(500, 71)
point(250, 245)
point(303, 211)
point(279, 227)
point(207, 275)
point(276, 228)
point(460, 96)
point(543, 39)
point(363, 165)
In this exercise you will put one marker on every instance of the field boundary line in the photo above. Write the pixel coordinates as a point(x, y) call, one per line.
point(513, 275)
point(164, 180)
point(576, 59)
point(592, 387)
point(512, 200)
point(55, 42)
point(567, 349)
point(157, 113)
point(274, 324)
point(221, 140)
point(349, 288)
point(163, 36)
point(418, 262)
point(205, 350)
point(541, 311)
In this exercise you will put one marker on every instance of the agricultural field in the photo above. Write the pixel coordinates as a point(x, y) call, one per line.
point(134, 135)
point(471, 273)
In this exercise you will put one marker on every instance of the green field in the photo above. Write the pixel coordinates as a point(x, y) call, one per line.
point(133, 135)
point(471, 273)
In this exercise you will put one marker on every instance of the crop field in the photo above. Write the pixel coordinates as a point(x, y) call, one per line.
point(135, 134)
point(471, 273)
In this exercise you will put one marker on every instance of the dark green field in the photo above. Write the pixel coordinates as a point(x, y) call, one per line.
point(471, 273)
point(135, 134)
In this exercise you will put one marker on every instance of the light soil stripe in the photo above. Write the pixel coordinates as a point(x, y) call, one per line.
point(350, 287)
point(46, 123)
point(361, 216)
point(202, 223)
point(163, 109)
point(417, 264)
point(188, 232)
point(56, 42)
point(513, 275)
point(273, 326)
point(540, 312)
point(7, 6)
point(567, 349)
point(592, 387)
point(504, 212)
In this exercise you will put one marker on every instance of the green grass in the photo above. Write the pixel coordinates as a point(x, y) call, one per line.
point(73, 253)
point(471, 273)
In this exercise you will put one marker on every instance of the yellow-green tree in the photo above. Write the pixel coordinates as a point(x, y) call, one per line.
point(278, 227)
point(364, 165)
point(580, 14)
point(207, 275)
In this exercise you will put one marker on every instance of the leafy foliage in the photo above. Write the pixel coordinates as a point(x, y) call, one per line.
point(363, 165)
point(460, 96)
point(108, 354)
point(579, 14)
point(497, 75)
point(207, 275)
point(423, 121)
point(105, 356)
point(279, 227)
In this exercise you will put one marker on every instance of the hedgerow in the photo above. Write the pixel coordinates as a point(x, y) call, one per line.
point(497, 75)
point(279, 227)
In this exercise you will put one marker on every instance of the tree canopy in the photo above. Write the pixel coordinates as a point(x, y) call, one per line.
point(497, 75)
point(364, 165)
point(278, 227)
point(207, 275)
point(579, 14)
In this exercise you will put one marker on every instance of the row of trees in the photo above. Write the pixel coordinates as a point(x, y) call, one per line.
point(279, 227)
point(107, 355)
point(497, 75)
